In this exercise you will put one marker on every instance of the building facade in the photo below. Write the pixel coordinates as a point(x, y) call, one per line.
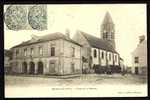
point(54, 54)
point(139, 57)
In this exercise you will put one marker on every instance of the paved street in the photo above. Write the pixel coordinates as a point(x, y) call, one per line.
point(31, 86)
point(82, 80)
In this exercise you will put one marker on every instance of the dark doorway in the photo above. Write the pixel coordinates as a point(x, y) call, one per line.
point(40, 67)
point(32, 67)
point(136, 70)
point(24, 68)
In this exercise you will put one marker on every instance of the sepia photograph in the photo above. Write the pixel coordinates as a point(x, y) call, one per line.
point(75, 50)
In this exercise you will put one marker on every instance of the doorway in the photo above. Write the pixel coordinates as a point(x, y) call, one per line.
point(40, 67)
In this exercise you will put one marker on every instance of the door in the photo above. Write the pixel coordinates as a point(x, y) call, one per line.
point(40, 67)
point(32, 67)
point(24, 68)
point(52, 68)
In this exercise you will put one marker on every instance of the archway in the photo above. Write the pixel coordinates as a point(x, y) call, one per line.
point(24, 67)
point(40, 67)
point(32, 67)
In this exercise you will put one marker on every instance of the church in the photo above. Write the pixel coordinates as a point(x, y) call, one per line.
point(99, 54)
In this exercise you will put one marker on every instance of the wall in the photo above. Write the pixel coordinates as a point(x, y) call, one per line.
point(86, 48)
point(68, 59)
point(141, 52)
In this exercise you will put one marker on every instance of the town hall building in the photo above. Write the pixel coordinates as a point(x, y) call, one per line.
point(54, 54)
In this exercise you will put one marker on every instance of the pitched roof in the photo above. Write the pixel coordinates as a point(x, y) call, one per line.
point(98, 43)
point(49, 37)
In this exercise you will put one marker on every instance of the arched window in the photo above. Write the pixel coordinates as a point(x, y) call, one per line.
point(95, 53)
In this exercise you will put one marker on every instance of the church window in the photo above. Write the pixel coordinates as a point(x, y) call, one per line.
point(95, 53)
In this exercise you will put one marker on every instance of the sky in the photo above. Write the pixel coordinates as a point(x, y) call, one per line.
point(129, 19)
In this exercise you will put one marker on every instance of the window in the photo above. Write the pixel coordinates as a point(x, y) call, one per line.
point(72, 52)
point(95, 53)
point(72, 68)
point(109, 56)
point(17, 52)
point(31, 53)
point(52, 51)
point(102, 55)
point(116, 58)
point(106, 35)
point(25, 52)
point(136, 59)
point(40, 50)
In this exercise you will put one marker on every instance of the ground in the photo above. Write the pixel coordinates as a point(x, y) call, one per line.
point(19, 83)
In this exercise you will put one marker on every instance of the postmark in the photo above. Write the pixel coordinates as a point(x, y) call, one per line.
point(15, 17)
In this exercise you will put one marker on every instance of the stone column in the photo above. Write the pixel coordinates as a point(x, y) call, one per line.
point(28, 68)
point(36, 68)
point(45, 71)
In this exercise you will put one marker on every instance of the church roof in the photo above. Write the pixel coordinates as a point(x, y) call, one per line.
point(98, 43)
point(107, 19)
point(49, 37)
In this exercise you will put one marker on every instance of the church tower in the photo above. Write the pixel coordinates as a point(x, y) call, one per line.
point(108, 29)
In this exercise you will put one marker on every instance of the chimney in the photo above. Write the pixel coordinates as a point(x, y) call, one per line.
point(141, 38)
point(67, 33)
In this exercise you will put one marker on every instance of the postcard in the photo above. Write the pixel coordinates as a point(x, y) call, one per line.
point(75, 50)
